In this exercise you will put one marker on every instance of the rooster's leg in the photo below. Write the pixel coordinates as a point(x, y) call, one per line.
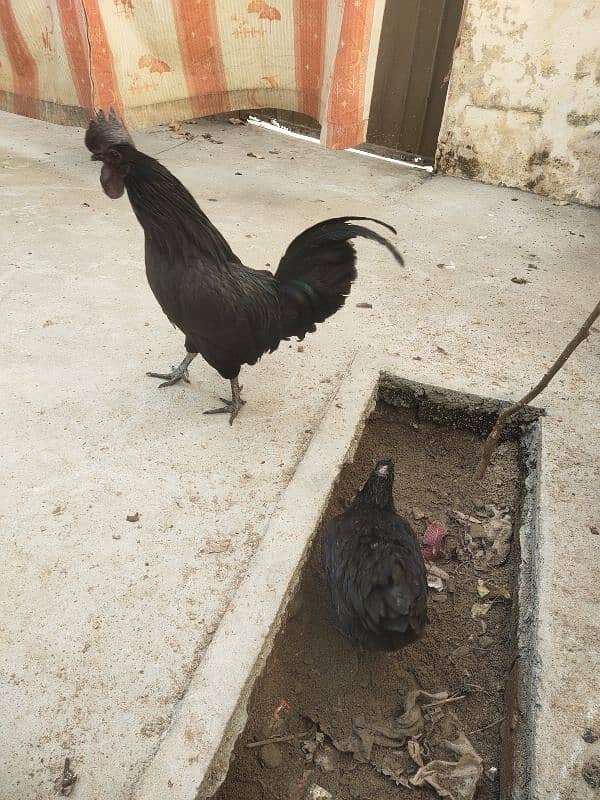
point(176, 374)
point(232, 406)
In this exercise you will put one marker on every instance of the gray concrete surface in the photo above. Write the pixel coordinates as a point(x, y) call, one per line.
point(104, 623)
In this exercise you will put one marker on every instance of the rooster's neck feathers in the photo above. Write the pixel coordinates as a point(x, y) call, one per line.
point(169, 214)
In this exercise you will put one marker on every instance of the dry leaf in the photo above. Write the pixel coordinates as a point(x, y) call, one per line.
point(385, 732)
point(236, 121)
point(254, 155)
point(414, 751)
point(174, 126)
point(498, 531)
point(435, 583)
point(491, 591)
point(184, 135)
point(479, 610)
point(393, 765)
point(465, 517)
point(315, 792)
point(454, 780)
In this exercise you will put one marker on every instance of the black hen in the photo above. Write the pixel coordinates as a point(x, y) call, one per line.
point(229, 313)
point(375, 569)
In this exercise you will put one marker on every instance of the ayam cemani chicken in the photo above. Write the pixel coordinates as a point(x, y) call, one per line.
point(229, 313)
point(375, 569)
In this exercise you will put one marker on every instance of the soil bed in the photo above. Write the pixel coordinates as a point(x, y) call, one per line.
point(313, 674)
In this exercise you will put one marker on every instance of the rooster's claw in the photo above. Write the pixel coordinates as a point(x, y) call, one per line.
point(231, 407)
point(177, 373)
point(171, 378)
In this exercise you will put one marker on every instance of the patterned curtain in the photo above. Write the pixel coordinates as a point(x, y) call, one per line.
point(158, 60)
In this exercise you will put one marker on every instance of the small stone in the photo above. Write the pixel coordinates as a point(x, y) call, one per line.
point(315, 792)
point(591, 772)
point(364, 305)
point(418, 513)
point(116, 536)
point(589, 736)
point(594, 530)
point(300, 348)
point(133, 517)
point(270, 756)
point(324, 760)
point(485, 642)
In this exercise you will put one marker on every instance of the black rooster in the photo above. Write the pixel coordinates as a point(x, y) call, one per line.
point(375, 569)
point(229, 313)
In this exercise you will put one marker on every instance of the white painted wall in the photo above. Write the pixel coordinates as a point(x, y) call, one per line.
point(523, 103)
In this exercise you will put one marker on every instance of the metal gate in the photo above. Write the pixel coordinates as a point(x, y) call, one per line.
point(413, 64)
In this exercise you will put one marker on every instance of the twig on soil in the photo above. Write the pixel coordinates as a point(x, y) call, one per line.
point(277, 739)
point(68, 778)
point(486, 727)
point(443, 702)
point(490, 443)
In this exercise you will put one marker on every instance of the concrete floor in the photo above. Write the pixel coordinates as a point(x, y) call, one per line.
point(104, 621)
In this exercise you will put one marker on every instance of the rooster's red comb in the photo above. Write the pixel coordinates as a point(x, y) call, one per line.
point(106, 131)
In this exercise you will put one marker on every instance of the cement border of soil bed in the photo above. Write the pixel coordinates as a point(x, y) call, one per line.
point(193, 755)
point(478, 414)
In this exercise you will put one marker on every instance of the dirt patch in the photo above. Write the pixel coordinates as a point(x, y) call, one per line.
point(313, 673)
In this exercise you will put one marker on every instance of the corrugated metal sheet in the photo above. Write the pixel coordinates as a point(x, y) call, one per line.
point(415, 56)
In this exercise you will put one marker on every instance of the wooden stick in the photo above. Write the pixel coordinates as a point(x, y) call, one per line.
point(486, 727)
point(452, 699)
point(275, 739)
point(492, 440)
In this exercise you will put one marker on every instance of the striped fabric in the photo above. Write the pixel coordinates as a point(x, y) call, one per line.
point(158, 60)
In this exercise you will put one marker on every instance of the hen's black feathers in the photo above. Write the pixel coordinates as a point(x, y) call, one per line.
point(375, 570)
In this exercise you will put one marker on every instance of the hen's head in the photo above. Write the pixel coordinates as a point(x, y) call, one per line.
point(377, 491)
point(109, 141)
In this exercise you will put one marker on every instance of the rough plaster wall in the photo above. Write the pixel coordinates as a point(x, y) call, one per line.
point(523, 105)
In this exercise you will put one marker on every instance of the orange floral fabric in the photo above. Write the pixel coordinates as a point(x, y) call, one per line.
point(158, 60)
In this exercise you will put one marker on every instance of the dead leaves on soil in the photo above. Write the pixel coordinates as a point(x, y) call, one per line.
point(405, 737)
point(486, 541)
point(455, 780)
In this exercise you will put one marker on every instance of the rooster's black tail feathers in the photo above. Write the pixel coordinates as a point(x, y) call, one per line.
point(317, 271)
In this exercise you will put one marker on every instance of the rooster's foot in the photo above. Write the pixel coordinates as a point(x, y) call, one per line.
point(177, 373)
point(233, 406)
